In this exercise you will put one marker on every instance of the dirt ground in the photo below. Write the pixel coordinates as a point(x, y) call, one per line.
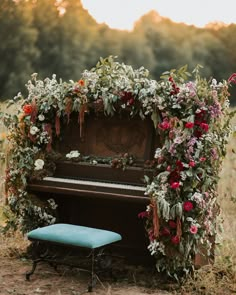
point(68, 281)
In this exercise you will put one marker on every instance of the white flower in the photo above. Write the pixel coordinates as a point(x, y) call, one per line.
point(73, 154)
point(33, 130)
point(38, 164)
point(41, 117)
point(157, 153)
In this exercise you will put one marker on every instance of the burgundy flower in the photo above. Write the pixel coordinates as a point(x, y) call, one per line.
point(179, 165)
point(143, 214)
point(175, 240)
point(204, 126)
point(189, 125)
point(193, 229)
point(127, 97)
point(165, 232)
point(197, 133)
point(175, 185)
point(174, 176)
point(187, 206)
point(172, 224)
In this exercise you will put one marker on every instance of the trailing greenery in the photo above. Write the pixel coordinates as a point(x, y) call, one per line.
point(190, 113)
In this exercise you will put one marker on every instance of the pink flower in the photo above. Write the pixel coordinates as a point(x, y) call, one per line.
point(193, 229)
point(164, 125)
point(168, 168)
point(172, 224)
point(175, 185)
point(232, 78)
point(175, 240)
point(191, 164)
point(202, 159)
point(187, 206)
point(204, 126)
point(189, 125)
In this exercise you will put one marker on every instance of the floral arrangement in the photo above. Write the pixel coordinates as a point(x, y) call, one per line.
point(193, 119)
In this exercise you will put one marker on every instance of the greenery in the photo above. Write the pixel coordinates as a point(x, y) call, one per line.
point(193, 119)
point(37, 37)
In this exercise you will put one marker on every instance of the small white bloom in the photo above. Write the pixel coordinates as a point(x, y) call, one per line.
point(73, 154)
point(157, 153)
point(38, 164)
point(41, 117)
point(213, 82)
point(33, 130)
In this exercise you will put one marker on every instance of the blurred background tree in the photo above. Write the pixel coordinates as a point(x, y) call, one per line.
point(61, 37)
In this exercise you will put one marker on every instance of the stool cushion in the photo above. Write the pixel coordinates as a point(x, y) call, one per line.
point(74, 235)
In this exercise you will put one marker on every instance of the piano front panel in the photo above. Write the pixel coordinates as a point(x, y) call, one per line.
point(109, 137)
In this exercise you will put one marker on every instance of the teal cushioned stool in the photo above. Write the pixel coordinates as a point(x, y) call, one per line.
point(73, 236)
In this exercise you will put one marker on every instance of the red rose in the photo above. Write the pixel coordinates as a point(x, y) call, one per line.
point(204, 126)
point(165, 232)
point(187, 206)
point(175, 185)
point(189, 125)
point(172, 224)
point(27, 108)
point(191, 164)
point(175, 240)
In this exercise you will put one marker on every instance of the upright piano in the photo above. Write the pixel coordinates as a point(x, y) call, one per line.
point(96, 193)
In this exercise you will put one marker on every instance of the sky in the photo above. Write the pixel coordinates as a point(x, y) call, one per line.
point(121, 14)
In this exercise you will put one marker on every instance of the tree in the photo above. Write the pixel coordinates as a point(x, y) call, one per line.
point(17, 47)
point(46, 22)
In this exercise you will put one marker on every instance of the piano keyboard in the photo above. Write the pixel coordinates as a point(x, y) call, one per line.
point(96, 183)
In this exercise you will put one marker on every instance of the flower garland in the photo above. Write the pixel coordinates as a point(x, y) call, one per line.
point(193, 120)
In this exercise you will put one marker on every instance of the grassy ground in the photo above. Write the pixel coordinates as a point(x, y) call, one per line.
point(217, 279)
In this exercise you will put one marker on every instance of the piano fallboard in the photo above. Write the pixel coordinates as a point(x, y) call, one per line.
point(101, 172)
point(90, 189)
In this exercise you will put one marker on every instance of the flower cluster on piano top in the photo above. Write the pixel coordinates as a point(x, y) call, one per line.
point(193, 118)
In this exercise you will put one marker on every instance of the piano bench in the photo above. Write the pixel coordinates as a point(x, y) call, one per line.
point(73, 236)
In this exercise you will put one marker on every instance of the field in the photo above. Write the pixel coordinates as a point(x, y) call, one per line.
point(217, 279)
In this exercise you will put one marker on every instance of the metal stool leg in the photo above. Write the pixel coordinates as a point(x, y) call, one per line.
point(93, 278)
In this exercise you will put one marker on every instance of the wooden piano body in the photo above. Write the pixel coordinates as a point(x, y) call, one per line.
point(98, 195)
